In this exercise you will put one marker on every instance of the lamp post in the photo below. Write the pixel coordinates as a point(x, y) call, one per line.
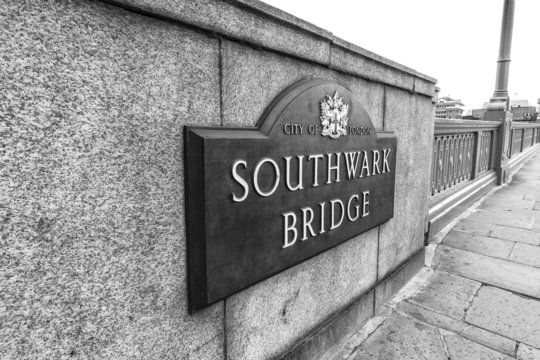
point(500, 97)
point(499, 104)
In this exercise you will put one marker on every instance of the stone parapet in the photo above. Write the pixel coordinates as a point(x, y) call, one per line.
point(95, 99)
point(267, 27)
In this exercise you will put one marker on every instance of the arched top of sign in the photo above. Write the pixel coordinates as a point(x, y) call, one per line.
point(316, 107)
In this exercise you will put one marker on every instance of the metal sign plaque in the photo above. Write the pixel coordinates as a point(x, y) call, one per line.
point(312, 174)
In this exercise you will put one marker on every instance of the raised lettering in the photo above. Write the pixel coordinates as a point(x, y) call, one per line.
point(256, 177)
point(333, 167)
point(365, 165)
point(365, 203)
point(333, 224)
point(317, 157)
point(240, 180)
point(322, 205)
point(351, 161)
point(299, 186)
point(376, 159)
point(357, 207)
point(287, 129)
point(386, 166)
point(306, 223)
point(287, 227)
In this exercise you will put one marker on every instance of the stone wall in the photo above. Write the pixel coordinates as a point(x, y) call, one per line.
point(94, 98)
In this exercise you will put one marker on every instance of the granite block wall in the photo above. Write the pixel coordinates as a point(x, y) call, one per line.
point(94, 97)
point(92, 262)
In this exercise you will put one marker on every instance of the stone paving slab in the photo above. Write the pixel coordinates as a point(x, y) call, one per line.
point(404, 338)
point(514, 218)
point(536, 226)
point(464, 349)
point(489, 339)
point(507, 204)
point(532, 196)
point(481, 336)
point(482, 298)
point(431, 317)
point(479, 244)
point(474, 227)
point(508, 314)
point(523, 279)
point(526, 352)
point(526, 254)
point(446, 294)
point(514, 234)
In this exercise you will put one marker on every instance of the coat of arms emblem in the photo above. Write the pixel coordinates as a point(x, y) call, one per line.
point(333, 117)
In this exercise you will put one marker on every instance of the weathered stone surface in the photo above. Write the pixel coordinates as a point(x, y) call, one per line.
point(514, 218)
point(245, 23)
point(536, 206)
point(526, 254)
point(446, 294)
point(534, 196)
point(527, 353)
point(253, 78)
point(338, 42)
point(401, 337)
point(457, 235)
point(489, 339)
point(403, 236)
point(393, 284)
point(333, 334)
point(506, 204)
point(464, 349)
point(351, 62)
point(514, 234)
point(480, 244)
point(430, 317)
point(94, 100)
point(267, 319)
point(507, 314)
point(423, 86)
point(476, 227)
point(536, 226)
point(502, 273)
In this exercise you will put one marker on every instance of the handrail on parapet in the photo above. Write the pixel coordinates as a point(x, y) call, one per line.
point(462, 150)
point(524, 125)
point(522, 137)
point(459, 126)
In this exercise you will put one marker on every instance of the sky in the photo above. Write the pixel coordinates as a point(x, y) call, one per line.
point(456, 42)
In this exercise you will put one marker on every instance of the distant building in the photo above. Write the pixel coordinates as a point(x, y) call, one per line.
point(448, 108)
point(524, 113)
point(518, 103)
point(521, 111)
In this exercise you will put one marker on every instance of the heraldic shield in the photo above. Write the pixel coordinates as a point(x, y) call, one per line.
point(334, 118)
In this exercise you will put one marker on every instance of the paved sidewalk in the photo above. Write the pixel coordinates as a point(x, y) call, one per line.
point(479, 297)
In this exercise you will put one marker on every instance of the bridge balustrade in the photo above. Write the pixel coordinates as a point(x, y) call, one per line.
point(462, 150)
point(469, 157)
point(523, 135)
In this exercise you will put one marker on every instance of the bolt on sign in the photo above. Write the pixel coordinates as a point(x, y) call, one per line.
point(310, 175)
